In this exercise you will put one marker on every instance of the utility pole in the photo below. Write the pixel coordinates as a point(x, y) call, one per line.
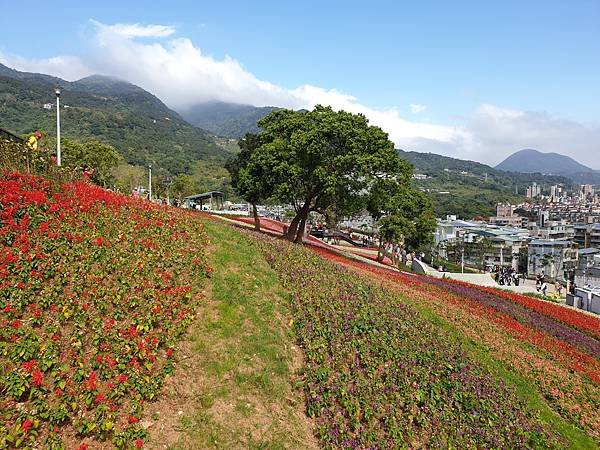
point(462, 256)
point(149, 182)
point(58, 156)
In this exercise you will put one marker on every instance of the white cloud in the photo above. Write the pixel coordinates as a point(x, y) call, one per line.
point(497, 132)
point(417, 108)
point(133, 30)
point(66, 67)
point(180, 74)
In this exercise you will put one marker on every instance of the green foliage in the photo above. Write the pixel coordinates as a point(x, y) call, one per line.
point(468, 188)
point(320, 158)
point(211, 176)
point(183, 185)
point(133, 121)
point(101, 157)
point(402, 212)
point(250, 181)
point(128, 177)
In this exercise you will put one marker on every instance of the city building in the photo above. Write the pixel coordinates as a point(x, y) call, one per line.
point(586, 298)
point(557, 193)
point(550, 257)
point(505, 216)
point(587, 235)
point(533, 191)
point(451, 228)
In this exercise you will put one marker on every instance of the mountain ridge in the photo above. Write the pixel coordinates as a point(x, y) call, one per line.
point(231, 120)
point(136, 122)
point(469, 188)
point(532, 160)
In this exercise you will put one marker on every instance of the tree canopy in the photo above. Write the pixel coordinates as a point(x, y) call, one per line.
point(403, 213)
point(250, 181)
point(323, 159)
point(101, 157)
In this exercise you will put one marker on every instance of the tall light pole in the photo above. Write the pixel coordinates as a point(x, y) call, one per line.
point(58, 159)
point(149, 182)
point(462, 256)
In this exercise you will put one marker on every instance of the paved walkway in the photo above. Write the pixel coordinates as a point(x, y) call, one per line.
point(370, 256)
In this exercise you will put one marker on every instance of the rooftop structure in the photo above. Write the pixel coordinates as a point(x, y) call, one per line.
point(212, 200)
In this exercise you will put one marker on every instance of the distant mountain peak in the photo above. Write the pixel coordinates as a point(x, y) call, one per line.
point(106, 84)
point(534, 161)
point(137, 123)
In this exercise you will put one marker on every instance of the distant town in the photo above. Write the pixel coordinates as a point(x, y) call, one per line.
point(555, 235)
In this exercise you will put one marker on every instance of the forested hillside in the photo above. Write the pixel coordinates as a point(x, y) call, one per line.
point(469, 188)
point(230, 120)
point(142, 128)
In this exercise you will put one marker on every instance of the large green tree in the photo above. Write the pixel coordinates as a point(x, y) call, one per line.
point(319, 158)
point(251, 181)
point(403, 213)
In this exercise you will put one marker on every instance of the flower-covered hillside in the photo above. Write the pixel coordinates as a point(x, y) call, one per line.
point(379, 374)
point(95, 289)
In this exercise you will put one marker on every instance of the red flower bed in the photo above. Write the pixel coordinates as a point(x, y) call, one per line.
point(562, 351)
point(572, 317)
point(95, 288)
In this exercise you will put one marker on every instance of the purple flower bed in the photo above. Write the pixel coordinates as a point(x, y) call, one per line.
point(378, 375)
point(524, 315)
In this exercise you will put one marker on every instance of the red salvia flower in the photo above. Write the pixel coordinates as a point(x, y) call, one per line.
point(26, 425)
point(37, 377)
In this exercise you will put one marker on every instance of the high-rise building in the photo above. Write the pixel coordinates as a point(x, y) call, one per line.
point(556, 193)
point(533, 191)
point(586, 189)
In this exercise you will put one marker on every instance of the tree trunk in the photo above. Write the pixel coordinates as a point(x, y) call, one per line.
point(256, 219)
point(301, 229)
point(291, 231)
point(380, 255)
point(295, 229)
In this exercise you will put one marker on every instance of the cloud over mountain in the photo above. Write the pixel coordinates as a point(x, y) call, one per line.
point(181, 74)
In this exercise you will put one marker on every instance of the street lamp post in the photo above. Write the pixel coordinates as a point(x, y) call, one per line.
point(150, 182)
point(58, 157)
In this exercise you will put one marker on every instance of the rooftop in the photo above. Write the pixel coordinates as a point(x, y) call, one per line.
point(589, 251)
point(551, 242)
point(204, 195)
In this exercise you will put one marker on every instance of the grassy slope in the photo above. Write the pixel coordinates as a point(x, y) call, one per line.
point(240, 364)
point(234, 384)
point(478, 351)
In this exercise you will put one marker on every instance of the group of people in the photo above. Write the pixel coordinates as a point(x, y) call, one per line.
point(398, 254)
point(367, 241)
point(506, 276)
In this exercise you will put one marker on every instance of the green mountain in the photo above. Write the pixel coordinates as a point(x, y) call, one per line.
point(229, 120)
point(469, 188)
point(140, 126)
point(530, 160)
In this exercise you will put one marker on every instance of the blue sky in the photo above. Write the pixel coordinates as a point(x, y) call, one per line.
point(462, 65)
